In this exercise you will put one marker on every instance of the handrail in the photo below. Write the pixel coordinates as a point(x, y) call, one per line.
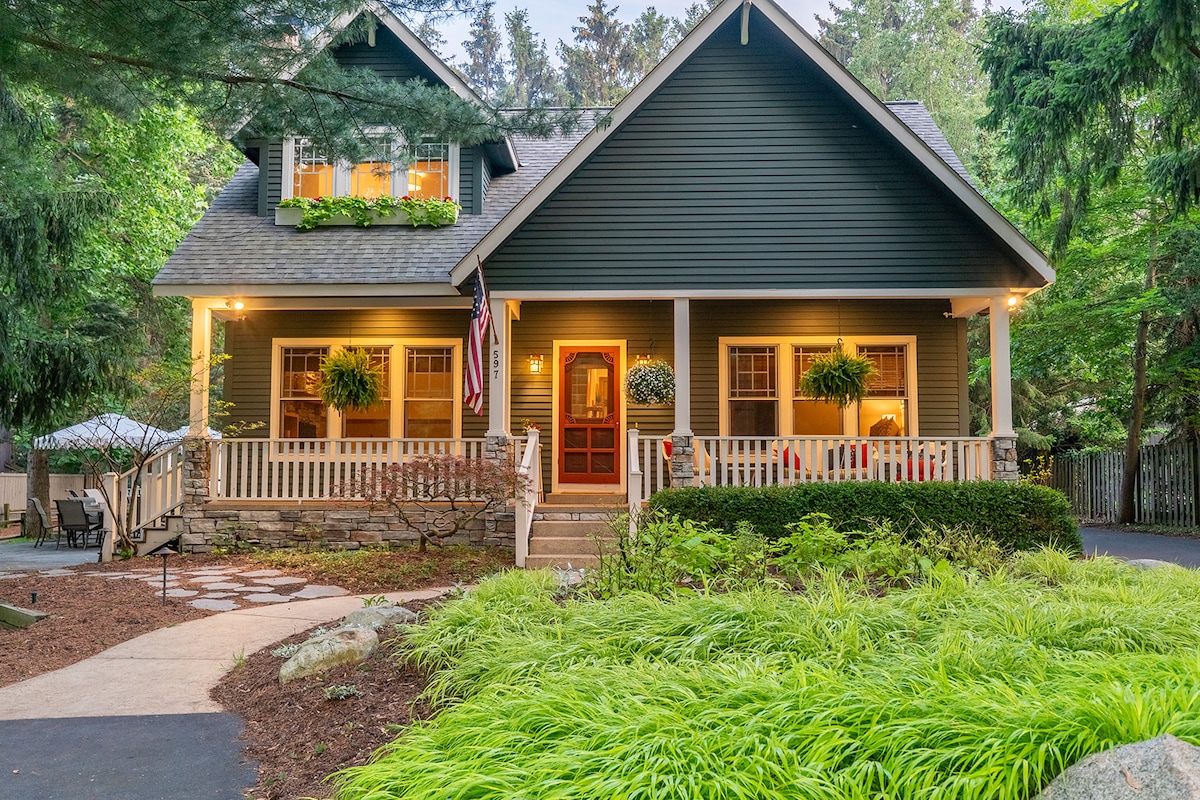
point(530, 486)
point(139, 497)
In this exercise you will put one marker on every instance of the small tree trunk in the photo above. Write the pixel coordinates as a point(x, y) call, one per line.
point(1137, 415)
point(37, 485)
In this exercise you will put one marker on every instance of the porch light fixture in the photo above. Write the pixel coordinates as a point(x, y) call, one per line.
point(641, 360)
point(535, 365)
point(235, 305)
point(1012, 303)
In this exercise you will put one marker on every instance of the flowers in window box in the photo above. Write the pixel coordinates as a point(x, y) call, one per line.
point(364, 212)
point(351, 379)
point(651, 384)
point(838, 377)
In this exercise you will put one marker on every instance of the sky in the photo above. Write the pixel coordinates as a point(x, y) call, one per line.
point(552, 19)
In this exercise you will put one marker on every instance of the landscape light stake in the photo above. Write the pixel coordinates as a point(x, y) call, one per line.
point(164, 551)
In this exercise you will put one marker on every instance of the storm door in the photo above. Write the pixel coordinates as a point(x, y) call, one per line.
point(589, 410)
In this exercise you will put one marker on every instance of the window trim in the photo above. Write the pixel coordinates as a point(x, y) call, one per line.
point(399, 371)
point(786, 379)
point(341, 170)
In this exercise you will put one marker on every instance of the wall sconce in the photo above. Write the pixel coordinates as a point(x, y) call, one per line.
point(535, 365)
point(1012, 303)
point(641, 360)
point(236, 305)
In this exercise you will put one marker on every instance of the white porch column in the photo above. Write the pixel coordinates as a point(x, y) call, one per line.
point(201, 356)
point(1002, 424)
point(1004, 438)
point(499, 370)
point(683, 367)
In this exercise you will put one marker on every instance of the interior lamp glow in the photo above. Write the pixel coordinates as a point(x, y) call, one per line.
point(535, 365)
point(641, 360)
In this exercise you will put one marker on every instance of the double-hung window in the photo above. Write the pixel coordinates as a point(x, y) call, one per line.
point(761, 397)
point(421, 396)
point(431, 171)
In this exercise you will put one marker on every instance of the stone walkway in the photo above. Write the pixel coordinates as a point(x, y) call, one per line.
point(229, 588)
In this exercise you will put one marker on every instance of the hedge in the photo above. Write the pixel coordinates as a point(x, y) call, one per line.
point(1017, 516)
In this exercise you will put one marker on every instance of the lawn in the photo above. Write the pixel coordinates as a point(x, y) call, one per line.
point(962, 686)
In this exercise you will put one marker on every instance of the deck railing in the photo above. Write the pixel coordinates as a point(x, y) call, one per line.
point(754, 461)
point(295, 470)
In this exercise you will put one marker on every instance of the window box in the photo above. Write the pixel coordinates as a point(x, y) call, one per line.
point(293, 216)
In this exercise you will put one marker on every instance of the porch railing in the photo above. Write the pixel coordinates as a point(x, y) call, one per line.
point(142, 496)
point(747, 461)
point(530, 470)
point(295, 470)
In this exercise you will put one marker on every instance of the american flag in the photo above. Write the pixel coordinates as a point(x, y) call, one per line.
point(477, 341)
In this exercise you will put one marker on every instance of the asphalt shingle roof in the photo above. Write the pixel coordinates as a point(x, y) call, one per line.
point(232, 246)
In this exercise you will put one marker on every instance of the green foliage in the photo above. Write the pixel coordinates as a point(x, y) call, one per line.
point(838, 377)
point(962, 688)
point(351, 378)
point(374, 600)
point(1015, 516)
point(366, 211)
point(650, 384)
point(343, 692)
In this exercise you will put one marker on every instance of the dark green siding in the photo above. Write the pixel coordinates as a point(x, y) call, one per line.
point(748, 169)
point(388, 58)
point(941, 348)
point(248, 371)
point(270, 178)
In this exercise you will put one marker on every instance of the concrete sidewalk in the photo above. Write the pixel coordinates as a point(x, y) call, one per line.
point(170, 671)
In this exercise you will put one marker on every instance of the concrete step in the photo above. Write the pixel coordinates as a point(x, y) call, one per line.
point(579, 529)
point(560, 513)
point(562, 546)
point(576, 561)
point(585, 499)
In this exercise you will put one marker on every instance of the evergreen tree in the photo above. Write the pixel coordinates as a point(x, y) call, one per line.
point(485, 57)
point(596, 69)
point(533, 80)
point(428, 33)
point(691, 17)
point(651, 38)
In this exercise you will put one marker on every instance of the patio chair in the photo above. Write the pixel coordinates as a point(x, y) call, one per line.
point(73, 521)
point(44, 518)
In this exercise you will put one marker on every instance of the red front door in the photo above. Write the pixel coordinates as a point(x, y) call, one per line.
point(589, 416)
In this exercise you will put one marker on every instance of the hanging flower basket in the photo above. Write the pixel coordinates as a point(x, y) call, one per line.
point(650, 384)
point(838, 377)
point(351, 380)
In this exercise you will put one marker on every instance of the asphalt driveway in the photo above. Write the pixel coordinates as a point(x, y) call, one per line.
point(1123, 544)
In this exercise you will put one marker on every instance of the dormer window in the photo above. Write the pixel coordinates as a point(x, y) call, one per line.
point(433, 172)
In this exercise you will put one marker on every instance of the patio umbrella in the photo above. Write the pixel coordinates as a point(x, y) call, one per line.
point(106, 430)
point(178, 434)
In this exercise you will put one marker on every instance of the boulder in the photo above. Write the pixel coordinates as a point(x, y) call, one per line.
point(376, 617)
point(1159, 769)
point(1150, 563)
point(329, 650)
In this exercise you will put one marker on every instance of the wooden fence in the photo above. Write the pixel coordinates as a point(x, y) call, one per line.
point(1165, 493)
point(13, 488)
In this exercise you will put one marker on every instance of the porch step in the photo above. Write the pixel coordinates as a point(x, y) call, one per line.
point(562, 562)
point(557, 542)
point(579, 530)
point(573, 499)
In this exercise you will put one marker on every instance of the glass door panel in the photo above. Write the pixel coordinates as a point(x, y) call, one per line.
point(589, 424)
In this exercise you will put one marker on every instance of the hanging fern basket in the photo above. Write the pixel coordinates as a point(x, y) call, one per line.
point(838, 377)
point(350, 379)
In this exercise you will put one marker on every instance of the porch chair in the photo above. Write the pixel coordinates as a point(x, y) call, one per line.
point(74, 522)
point(44, 518)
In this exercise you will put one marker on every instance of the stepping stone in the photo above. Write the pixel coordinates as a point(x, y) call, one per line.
point(315, 590)
point(181, 593)
point(215, 587)
point(249, 589)
point(214, 605)
point(4, 576)
point(115, 575)
point(260, 573)
point(55, 573)
point(284, 581)
point(218, 595)
point(267, 597)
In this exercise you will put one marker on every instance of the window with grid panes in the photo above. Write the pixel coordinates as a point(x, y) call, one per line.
point(429, 173)
point(302, 414)
point(753, 400)
point(887, 392)
point(812, 417)
point(373, 422)
point(429, 393)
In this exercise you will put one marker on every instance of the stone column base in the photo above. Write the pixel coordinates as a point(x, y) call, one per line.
point(1004, 459)
point(683, 461)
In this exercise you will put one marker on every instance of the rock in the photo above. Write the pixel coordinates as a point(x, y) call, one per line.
point(17, 617)
point(1160, 769)
point(1150, 563)
point(376, 617)
point(322, 653)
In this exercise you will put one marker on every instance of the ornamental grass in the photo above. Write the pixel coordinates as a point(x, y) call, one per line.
point(963, 687)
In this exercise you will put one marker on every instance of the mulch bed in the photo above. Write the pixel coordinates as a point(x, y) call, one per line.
point(298, 737)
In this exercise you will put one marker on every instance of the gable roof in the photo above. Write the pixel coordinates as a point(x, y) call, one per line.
point(950, 176)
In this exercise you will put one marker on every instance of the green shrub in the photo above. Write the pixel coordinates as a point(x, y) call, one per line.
point(1015, 516)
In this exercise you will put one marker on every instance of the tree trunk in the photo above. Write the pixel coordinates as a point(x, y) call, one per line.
point(37, 485)
point(1137, 416)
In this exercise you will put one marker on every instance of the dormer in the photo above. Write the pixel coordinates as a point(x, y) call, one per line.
point(293, 167)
